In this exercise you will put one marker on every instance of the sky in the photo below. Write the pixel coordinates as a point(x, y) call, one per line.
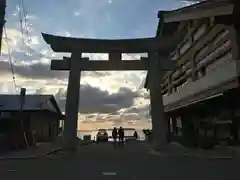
point(106, 98)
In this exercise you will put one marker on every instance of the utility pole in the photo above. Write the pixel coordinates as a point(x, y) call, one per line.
point(3, 5)
point(22, 102)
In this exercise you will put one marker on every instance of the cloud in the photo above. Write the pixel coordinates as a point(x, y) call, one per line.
point(97, 73)
point(115, 98)
point(117, 122)
point(76, 13)
point(39, 70)
point(138, 110)
point(189, 2)
point(33, 71)
point(12, 38)
point(95, 100)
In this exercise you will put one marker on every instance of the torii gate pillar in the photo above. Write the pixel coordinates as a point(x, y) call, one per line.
point(159, 123)
point(72, 103)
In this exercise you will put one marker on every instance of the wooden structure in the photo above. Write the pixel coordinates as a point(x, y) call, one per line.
point(205, 79)
point(157, 48)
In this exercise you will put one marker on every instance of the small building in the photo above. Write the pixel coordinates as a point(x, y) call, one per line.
point(200, 93)
point(37, 121)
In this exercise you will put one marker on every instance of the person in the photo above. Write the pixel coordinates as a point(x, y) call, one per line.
point(121, 136)
point(135, 134)
point(114, 135)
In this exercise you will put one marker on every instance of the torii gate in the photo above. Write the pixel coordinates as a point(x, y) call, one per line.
point(158, 50)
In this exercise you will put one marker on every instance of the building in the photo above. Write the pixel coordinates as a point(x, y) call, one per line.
point(39, 118)
point(200, 93)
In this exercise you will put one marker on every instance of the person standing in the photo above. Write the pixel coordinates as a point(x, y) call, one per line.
point(114, 136)
point(121, 136)
point(135, 134)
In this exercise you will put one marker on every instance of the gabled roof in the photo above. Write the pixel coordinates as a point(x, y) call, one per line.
point(11, 102)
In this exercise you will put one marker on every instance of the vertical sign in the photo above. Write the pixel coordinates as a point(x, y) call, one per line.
point(22, 96)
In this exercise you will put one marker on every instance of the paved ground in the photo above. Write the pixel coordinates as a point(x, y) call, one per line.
point(40, 150)
point(134, 162)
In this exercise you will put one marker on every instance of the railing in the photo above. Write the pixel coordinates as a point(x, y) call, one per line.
point(221, 75)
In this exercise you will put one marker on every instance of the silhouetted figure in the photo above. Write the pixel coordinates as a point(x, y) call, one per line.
point(114, 136)
point(121, 136)
point(135, 134)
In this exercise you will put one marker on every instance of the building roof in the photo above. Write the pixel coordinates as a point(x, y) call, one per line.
point(199, 10)
point(11, 102)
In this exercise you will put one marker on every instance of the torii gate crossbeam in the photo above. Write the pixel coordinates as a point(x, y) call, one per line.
point(108, 65)
point(156, 63)
point(138, 45)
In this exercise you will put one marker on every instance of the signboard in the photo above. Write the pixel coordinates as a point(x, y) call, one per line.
point(22, 96)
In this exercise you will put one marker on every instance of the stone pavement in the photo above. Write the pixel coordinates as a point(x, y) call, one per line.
point(134, 162)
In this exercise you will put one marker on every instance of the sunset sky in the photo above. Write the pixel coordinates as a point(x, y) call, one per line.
point(107, 98)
